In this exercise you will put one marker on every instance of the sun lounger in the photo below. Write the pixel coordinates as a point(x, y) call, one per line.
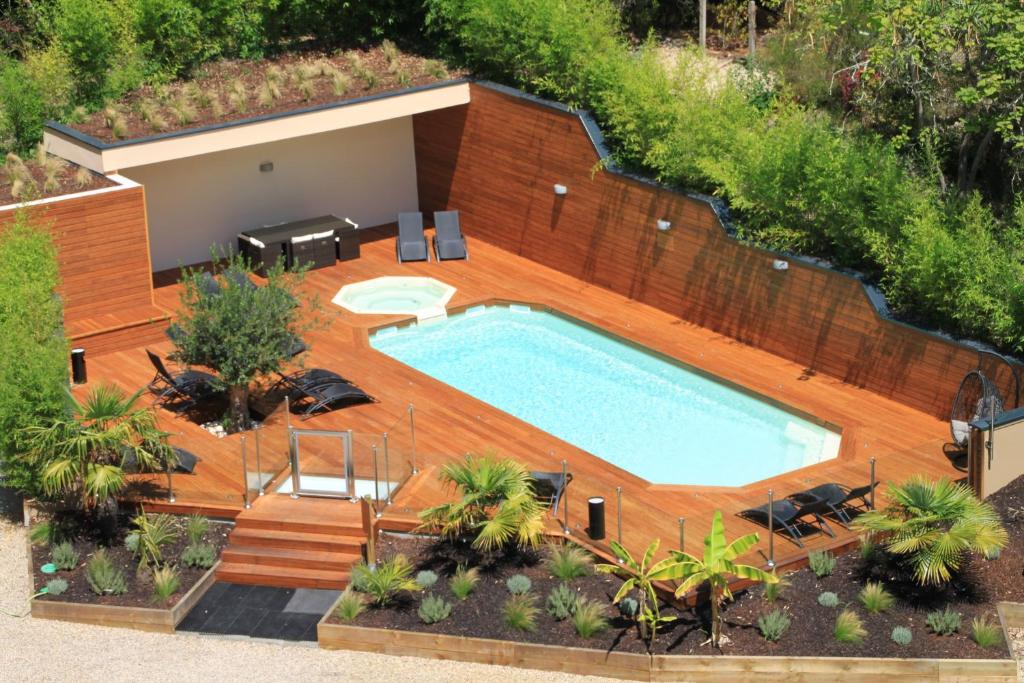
point(844, 503)
point(549, 487)
point(329, 395)
point(448, 240)
point(412, 243)
point(184, 388)
point(796, 519)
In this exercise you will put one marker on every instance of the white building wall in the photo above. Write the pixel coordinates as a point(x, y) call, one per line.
point(366, 173)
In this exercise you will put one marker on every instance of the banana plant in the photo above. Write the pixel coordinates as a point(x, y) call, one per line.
point(717, 566)
point(640, 576)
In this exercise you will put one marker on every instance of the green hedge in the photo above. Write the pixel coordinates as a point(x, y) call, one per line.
point(794, 180)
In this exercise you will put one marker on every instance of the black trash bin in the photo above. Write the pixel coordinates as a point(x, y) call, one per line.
point(595, 506)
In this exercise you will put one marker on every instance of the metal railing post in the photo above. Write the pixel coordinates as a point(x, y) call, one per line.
point(259, 470)
point(350, 465)
point(618, 513)
point(565, 499)
point(771, 529)
point(991, 431)
point(293, 456)
point(387, 471)
point(170, 483)
point(872, 494)
point(682, 534)
point(245, 477)
point(412, 436)
point(376, 482)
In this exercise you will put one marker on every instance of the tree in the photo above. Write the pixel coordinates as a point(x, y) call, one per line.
point(81, 456)
point(496, 504)
point(241, 331)
point(931, 526)
point(717, 566)
point(33, 349)
point(640, 576)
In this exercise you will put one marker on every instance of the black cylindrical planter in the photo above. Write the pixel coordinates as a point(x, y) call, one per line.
point(78, 375)
point(595, 507)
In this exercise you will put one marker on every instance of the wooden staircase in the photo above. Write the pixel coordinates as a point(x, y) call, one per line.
point(304, 543)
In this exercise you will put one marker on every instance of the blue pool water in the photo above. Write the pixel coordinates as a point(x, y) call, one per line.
point(628, 406)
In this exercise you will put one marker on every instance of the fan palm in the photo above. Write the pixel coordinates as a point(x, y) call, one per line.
point(81, 455)
point(716, 567)
point(932, 525)
point(496, 504)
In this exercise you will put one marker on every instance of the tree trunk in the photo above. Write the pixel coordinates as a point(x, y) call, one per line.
point(238, 411)
point(979, 157)
point(703, 19)
point(751, 28)
point(716, 626)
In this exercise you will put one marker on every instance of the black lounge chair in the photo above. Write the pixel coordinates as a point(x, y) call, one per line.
point(794, 518)
point(330, 395)
point(305, 379)
point(448, 240)
point(549, 487)
point(412, 243)
point(184, 462)
point(844, 503)
point(184, 388)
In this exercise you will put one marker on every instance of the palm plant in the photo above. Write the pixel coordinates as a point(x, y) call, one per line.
point(715, 568)
point(496, 504)
point(81, 456)
point(640, 576)
point(931, 526)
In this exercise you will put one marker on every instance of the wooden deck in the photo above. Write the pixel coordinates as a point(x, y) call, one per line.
point(450, 423)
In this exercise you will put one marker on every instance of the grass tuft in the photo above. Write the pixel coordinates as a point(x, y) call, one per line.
point(822, 562)
point(773, 625)
point(350, 605)
point(464, 581)
point(849, 627)
point(589, 618)
point(520, 612)
point(568, 561)
point(875, 597)
point(986, 633)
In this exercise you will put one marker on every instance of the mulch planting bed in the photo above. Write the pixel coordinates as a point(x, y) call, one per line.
point(140, 585)
point(67, 181)
point(220, 77)
point(810, 634)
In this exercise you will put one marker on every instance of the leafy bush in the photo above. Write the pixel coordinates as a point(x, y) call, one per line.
point(901, 635)
point(350, 605)
point(986, 633)
point(773, 625)
point(822, 562)
point(426, 579)
point(464, 581)
point(199, 555)
point(518, 584)
point(98, 41)
point(944, 622)
point(166, 582)
point(849, 628)
point(568, 561)
point(433, 609)
point(103, 577)
point(56, 586)
point(196, 529)
point(23, 110)
point(828, 599)
point(520, 612)
point(562, 602)
point(875, 598)
point(64, 556)
point(385, 581)
point(155, 532)
point(170, 31)
point(589, 618)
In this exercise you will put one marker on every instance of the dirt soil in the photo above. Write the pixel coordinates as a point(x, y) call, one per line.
point(810, 633)
point(220, 77)
point(140, 586)
point(67, 181)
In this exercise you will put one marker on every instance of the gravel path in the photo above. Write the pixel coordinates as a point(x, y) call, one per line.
point(1017, 645)
point(37, 650)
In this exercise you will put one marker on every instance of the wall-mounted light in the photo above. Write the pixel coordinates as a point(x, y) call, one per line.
point(561, 190)
point(664, 225)
point(266, 167)
point(779, 264)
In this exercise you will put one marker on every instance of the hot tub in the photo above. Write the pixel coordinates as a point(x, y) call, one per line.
point(423, 297)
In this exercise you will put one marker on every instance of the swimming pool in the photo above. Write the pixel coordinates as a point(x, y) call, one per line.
point(627, 405)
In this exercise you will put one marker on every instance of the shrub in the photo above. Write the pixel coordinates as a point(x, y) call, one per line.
point(64, 556)
point(568, 561)
point(562, 602)
point(23, 111)
point(131, 542)
point(849, 628)
point(103, 577)
point(629, 608)
point(385, 581)
point(170, 31)
point(199, 555)
point(166, 582)
point(56, 586)
point(350, 605)
point(589, 618)
point(426, 579)
point(433, 609)
point(97, 39)
point(828, 599)
point(901, 635)
point(986, 633)
point(520, 612)
point(518, 584)
point(773, 625)
point(773, 591)
point(196, 529)
point(875, 597)
point(155, 532)
point(822, 563)
point(944, 622)
point(464, 581)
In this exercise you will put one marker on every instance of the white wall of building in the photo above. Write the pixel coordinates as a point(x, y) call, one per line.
point(366, 173)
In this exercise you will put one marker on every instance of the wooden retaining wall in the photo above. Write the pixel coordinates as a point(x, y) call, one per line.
point(660, 667)
point(497, 159)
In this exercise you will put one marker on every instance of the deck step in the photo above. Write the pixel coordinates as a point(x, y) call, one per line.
point(345, 528)
point(289, 557)
point(281, 577)
point(298, 540)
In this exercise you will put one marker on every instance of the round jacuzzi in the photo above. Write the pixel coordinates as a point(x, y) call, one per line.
point(419, 296)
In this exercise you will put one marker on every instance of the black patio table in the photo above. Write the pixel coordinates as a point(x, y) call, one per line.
point(303, 241)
